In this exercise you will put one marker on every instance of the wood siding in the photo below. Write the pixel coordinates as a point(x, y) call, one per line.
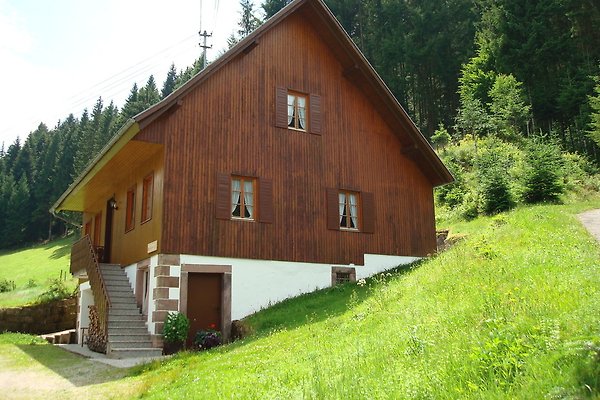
point(227, 125)
point(131, 246)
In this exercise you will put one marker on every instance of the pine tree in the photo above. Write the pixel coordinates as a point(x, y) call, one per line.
point(248, 21)
point(594, 125)
point(271, 7)
point(169, 84)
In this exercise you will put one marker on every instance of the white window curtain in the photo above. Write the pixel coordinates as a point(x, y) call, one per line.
point(290, 101)
point(302, 112)
point(353, 210)
point(235, 194)
point(342, 205)
point(249, 198)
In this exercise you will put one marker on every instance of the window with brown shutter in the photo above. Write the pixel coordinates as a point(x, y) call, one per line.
point(244, 198)
point(87, 231)
point(298, 111)
point(130, 210)
point(147, 189)
point(350, 210)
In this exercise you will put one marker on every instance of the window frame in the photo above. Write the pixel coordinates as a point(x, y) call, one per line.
point(147, 198)
point(347, 208)
point(97, 229)
point(296, 114)
point(242, 198)
point(350, 272)
point(130, 209)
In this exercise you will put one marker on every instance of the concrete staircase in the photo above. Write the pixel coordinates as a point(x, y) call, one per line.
point(128, 335)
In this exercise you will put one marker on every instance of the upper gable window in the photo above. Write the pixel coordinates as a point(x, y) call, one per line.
point(130, 210)
point(297, 111)
point(242, 198)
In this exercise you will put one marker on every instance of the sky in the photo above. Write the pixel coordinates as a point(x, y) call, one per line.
point(57, 57)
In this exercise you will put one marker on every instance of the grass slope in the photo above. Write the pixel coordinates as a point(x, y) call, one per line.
point(512, 311)
point(40, 263)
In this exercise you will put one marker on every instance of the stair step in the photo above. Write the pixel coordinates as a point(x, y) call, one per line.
point(136, 352)
point(122, 299)
point(124, 311)
point(124, 306)
point(130, 317)
point(131, 344)
point(128, 323)
point(119, 289)
point(123, 333)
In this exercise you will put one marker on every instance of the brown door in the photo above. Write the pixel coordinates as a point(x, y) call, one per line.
point(203, 303)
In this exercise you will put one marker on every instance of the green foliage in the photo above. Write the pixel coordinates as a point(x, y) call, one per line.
point(543, 175)
point(594, 102)
point(508, 107)
point(207, 339)
point(176, 327)
point(57, 290)
point(7, 286)
point(441, 137)
point(270, 7)
point(492, 173)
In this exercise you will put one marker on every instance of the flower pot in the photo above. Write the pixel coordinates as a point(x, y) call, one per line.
point(172, 347)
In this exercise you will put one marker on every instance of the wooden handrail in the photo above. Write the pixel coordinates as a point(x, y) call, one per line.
point(83, 256)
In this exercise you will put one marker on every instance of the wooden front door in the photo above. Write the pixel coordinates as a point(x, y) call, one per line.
point(203, 303)
point(108, 230)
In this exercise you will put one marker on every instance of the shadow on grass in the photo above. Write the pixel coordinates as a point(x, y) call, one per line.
point(78, 370)
point(319, 305)
point(61, 251)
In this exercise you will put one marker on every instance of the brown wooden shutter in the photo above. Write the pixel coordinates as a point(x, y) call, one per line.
point(314, 116)
point(281, 117)
point(368, 212)
point(333, 213)
point(265, 201)
point(223, 210)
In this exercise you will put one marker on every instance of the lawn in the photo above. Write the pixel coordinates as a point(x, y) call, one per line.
point(32, 269)
point(511, 311)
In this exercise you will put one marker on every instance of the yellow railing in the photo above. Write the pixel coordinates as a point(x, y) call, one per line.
point(84, 256)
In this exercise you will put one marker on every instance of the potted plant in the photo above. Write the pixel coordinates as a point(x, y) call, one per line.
point(175, 332)
point(207, 339)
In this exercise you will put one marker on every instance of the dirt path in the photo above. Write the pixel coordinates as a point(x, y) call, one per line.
point(591, 221)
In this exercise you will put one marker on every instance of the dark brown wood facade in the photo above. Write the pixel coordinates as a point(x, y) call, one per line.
point(227, 125)
point(230, 120)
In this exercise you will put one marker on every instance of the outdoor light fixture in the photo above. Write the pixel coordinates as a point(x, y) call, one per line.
point(113, 204)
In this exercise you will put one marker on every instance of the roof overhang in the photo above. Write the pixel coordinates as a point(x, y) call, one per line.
point(118, 142)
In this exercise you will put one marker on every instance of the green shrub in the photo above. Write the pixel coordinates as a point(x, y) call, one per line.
point(543, 175)
point(7, 286)
point(31, 283)
point(58, 290)
point(494, 187)
point(176, 327)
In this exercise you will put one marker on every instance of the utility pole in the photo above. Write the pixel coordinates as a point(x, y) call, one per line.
point(204, 35)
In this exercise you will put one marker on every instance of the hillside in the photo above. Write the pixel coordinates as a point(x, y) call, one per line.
point(512, 311)
point(32, 269)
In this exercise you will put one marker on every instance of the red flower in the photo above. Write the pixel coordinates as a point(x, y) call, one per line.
point(213, 326)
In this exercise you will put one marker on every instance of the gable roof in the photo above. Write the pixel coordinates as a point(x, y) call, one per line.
point(356, 68)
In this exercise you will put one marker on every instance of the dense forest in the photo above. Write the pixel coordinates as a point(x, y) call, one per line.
point(523, 74)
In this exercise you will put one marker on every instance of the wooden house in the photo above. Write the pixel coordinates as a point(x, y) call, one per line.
point(285, 166)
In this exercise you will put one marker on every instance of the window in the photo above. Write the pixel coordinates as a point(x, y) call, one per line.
point(348, 210)
point(147, 190)
point(130, 210)
point(242, 198)
point(296, 111)
point(97, 228)
point(87, 230)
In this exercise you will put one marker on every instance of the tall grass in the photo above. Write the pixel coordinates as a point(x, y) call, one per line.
point(512, 311)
